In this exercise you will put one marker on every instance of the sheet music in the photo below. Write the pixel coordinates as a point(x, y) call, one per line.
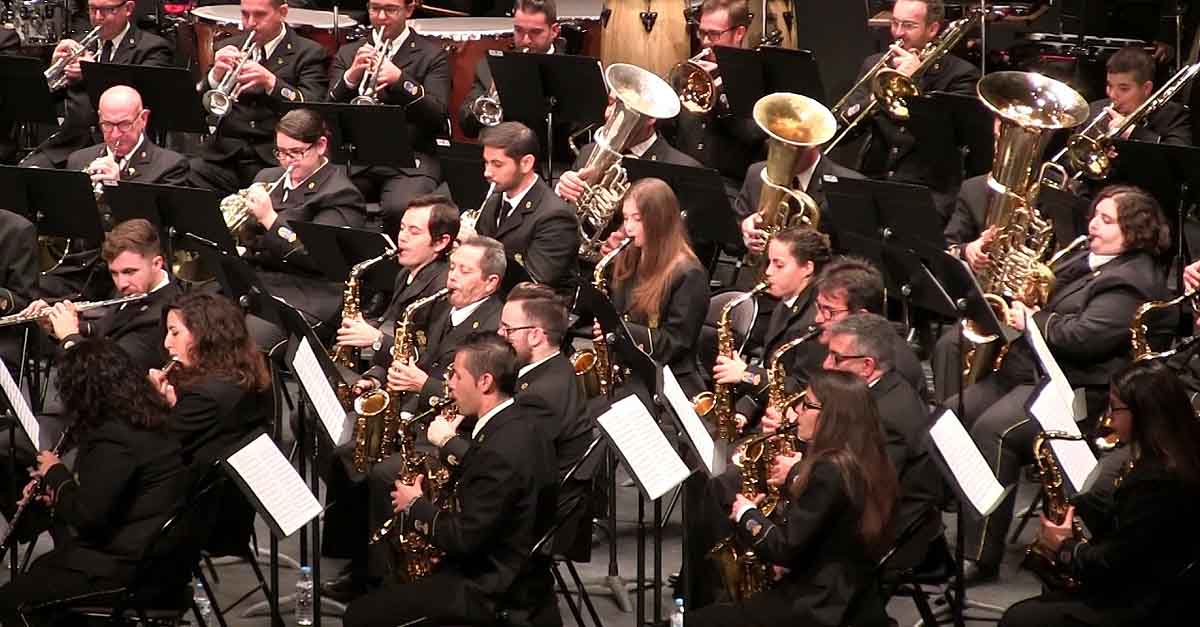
point(276, 484)
point(692, 425)
point(1074, 456)
point(20, 407)
point(646, 451)
point(970, 469)
point(312, 377)
point(1059, 385)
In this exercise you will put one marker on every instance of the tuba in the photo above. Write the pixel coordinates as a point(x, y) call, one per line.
point(218, 100)
point(793, 123)
point(348, 356)
point(56, 74)
point(1042, 563)
point(375, 442)
point(640, 95)
point(594, 370)
point(1031, 107)
point(720, 399)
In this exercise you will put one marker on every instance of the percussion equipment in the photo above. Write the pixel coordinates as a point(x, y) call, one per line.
point(38, 22)
point(212, 24)
point(580, 26)
point(466, 40)
point(651, 34)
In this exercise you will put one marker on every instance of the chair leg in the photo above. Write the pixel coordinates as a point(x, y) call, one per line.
point(921, 600)
point(583, 593)
point(212, 598)
point(211, 568)
point(562, 586)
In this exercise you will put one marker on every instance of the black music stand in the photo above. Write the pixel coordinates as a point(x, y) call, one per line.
point(541, 90)
point(972, 122)
point(364, 135)
point(188, 218)
point(24, 95)
point(838, 36)
point(462, 167)
point(701, 194)
point(338, 248)
point(861, 209)
point(168, 92)
point(59, 202)
point(748, 75)
point(935, 139)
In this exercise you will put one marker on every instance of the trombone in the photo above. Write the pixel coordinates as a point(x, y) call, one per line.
point(219, 99)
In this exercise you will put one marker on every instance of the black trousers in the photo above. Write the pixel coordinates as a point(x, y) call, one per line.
point(1062, 609)
point(48, 580)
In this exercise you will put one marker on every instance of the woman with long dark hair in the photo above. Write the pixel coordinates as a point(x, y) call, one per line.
point(126, 481)
point(1132, 569)
point(842, 491)
point(658, 285)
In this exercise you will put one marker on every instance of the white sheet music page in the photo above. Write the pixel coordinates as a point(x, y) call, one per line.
point(970, 469)
point(1058, 381)
point(646, 451)
point(1074, 457)
point(692, 425)
point(17, 400)
point(276, 484)
point(312, 377)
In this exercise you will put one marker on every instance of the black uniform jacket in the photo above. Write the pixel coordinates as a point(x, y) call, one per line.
point(1087, 319)
point(327, 197)
point(149, 164)
point(136, 327)
point(969, 217)
point(299, 67)
point(672, 338)
point(542, 234)
point(1170, 124)
point(125, 483)
point(429, 279)
point(213, 415)
point(721, 141)
point(660, 150)
point(424, 92)
point(18, 262)
point(831, 579)
point(505, 496)
point(786, 323)
point(748, 197)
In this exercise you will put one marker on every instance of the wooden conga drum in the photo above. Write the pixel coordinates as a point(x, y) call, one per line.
point(626, 39)
point(778, 15)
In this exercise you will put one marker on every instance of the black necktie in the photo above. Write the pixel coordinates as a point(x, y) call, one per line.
point(106, 53)
point(503, 211)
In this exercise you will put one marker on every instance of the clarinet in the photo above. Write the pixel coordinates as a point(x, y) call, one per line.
point(38, 487)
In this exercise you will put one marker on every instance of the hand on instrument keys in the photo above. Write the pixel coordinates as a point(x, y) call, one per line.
point(1191, 276)
point(729, 371)
point(1052, 535)
point(224, 61)
point(357, 332)
point(781, 467)
point(405, 377)
point(976, 258)
point(258, 201)
point(45, 461)
point(440, 431)
point(104, 169)
point(159, 380)
point(63, 320)
point(613, 241)
point(364, 385)
point(406, 493)
point(363, 60)
point(905, 61)
point(1017, 312)
point(741, 501)
point(389, 74)
point(753, 236)
point(255, 77)
point(771, 419)
point(73, 72)
point(571, 184)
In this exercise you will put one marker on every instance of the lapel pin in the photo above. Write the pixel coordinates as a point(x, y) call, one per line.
point(524, 386)
point(475, 325)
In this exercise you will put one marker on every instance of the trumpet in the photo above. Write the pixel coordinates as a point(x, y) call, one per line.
point(368, 88)
point(220, 99)
point(34, 316)
point(235, 208)
point(698, 89)
point(56, 74)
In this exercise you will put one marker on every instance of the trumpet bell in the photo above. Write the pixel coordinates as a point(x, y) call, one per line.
point(372, 403)
point(364, 100)
point(697, 89)
point(216, 102)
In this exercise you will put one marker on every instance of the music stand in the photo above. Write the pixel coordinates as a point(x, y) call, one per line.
point(58, 202)
point(701, 191)
point(168, 92)
point(24, 94)
point(972, 122)
point(462, 167)
point(339, 248)
point(935, 139)
point(364, 135)
point(748, 75)
point(859, 211)
point(178, 212)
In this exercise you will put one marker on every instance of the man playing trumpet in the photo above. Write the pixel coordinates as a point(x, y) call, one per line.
point(126, 153)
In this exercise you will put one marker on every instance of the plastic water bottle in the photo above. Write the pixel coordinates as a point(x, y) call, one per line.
point(677, 615)
point(304, 597)
point(203, 604)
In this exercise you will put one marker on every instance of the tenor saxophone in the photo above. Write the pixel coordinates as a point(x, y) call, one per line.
point(349, 356)
point(720, 399)
point(593, 367)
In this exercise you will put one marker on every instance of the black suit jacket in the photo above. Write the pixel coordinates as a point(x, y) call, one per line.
point(213, 415)
point(299, 67)
point(150, 164)
point(10, 43)
point(831, 579)
point(506, 498)
point(969, 217)
point(18, 262)
point(542, 234)
point(1086, 321)
point(748, 197)
point(785, 324)
point(660, 150)
point(126, 482)
point(138, 47)
point(137, 327)
point(327, 197)
point(1170, 124)
point(424, 92)
point(429, 279)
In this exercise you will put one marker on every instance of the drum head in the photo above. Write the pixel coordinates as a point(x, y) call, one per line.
point(463, 28)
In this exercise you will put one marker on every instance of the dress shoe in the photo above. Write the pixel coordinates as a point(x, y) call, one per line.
point(345, 588)
point(975, 573)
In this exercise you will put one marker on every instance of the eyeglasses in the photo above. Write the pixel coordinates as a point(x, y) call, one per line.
point(712, 34)
point(828, 312)
point(839, 359)
point(292, 153)
point(120, 127)
point(808, 405)
point(105, 10)
point(389, 10)
point(504, 330)
point(905, 25)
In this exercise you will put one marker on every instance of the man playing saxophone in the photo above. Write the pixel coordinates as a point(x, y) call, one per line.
point(504, 501)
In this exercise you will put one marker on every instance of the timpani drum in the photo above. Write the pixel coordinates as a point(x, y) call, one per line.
point(466, 40)
point(582, 17)
point(626, 38)
point(216, 22)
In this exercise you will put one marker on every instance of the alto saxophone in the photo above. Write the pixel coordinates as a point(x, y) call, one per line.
point(593, 367)
point(1039, 560)
point(349, 356)
point(376, 444)
point(720, 399)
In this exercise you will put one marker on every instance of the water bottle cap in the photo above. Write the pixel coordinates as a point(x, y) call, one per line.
point(678, 602)
point(307, 570)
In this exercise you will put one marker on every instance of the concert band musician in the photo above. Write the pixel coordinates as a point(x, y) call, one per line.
point(539, 231)
point(1129, 83)
point(125, 482)
point(283, 67)
point(416, 76)
point(126, 153)
point(121, 41)
point(19, 283)
point(504, 501)
point(1086, 325)
point(842, 493)
point(1126, 577)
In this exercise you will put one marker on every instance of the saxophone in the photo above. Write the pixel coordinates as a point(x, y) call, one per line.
point(376, 443)
point(720, 399)
point(1140, 329)
point(593, 367)
point(349, 356)
point(1038, 560)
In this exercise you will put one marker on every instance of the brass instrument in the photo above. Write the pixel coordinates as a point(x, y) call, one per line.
point(235, 208)
point(368, 87)
point(1041, 562)
point(639, 95)
point(349, 356)
point(486, 108)
point(793, 124)
point(1030, 107)
point(594, 370)
point(720, 399)
point(1139, 330)
point(777, 395)
point(697, 88)
point(56, 74)
point(1090, 152)
point(22, 318)
point(376, 443)
point(891, 89)
point(219, 100)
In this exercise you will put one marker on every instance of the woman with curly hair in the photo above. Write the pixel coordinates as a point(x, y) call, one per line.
point(126, 481)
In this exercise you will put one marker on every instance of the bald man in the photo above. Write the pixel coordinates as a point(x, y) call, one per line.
point(127, 154)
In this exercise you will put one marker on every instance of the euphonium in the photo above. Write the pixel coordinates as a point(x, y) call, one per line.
point(376, 443)
point(594, 369)
point(697, 88)
point(348, 356)
point(368, 87)
point(720, 399)
point(235, 208)
point(220, 99)
point(1139, 330)
point(56, 74)
point(639, 95)
point(793, 124)
point(1038, 560)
